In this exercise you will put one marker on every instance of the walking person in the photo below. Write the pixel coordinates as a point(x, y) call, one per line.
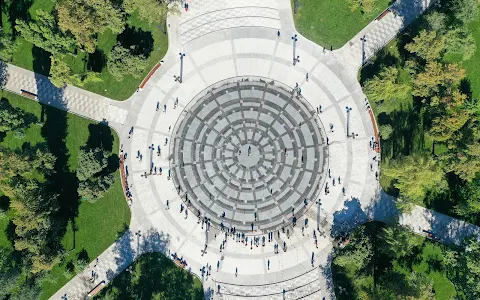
point(268, 264)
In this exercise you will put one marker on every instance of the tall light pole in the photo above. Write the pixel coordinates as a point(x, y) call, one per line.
point(364, 40)
point(180, 78)
point(295, 58)
point(348, 119)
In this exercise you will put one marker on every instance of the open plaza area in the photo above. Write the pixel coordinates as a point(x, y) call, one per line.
point(247, 153)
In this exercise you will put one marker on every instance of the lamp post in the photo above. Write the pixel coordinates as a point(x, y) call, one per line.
point(364, 40)
point(295, 58)
point(348, 119)
point(318, 214)
point(180, 78)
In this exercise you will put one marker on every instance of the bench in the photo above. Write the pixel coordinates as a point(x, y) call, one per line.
point(96, 289)
point(29, 94)
point(149, 75)
point(383, 14)
point(179, 263)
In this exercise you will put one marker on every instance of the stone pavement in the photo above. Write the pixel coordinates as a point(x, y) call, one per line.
point(245, 96)
point(381, 31)
point(69, 98)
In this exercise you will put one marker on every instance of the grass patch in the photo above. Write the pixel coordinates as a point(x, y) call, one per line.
point(331, 23)
point(97, 225)
point(154, 276)
point(29, 57)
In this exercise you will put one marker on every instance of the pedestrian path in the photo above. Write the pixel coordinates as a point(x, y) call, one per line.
point(205, 17)
point(383, 29)
point(72, 99)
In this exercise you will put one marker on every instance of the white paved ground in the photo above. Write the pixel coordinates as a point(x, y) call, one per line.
point(228, 41)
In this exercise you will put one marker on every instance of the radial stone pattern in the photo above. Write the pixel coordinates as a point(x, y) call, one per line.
point(249, 151)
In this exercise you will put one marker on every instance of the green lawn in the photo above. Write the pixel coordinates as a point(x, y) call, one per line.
point(154, 41)
point(331, 23)
point(153, 276)
point(98, 225)
point(473, 64)
point(426, 259)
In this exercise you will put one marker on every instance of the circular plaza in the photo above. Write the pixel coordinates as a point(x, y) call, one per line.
point(249, 153)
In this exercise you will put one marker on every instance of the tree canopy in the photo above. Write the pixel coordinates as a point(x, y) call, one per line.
point(86, 18)
point(415, 175)
point(91, 162)
point(44, 33)
point(12, 118)
point(122, 61)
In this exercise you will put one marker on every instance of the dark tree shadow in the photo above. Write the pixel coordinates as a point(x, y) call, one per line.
point(83, 255)
point(62, 181)
point(343, 287)
point(18, 9)
point(348, 218)
point(97, 61)
point(4, 203)
point(41, 61)
point(140, 42)
point(100, 137)
point(10, 232)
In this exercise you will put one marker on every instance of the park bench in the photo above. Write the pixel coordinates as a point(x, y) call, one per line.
point(383, 14)
point(149, 75)
point(96, 289)
point(179, 263)
point(29, 94)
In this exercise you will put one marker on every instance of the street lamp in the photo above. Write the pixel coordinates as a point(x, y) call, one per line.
point(180, 78)
point(295, 57)
point(364, 40)
point(348, 119)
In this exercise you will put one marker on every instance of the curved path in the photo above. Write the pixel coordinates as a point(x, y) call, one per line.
point(240, 146)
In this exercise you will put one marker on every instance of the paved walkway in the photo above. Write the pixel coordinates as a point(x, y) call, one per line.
point(230, 45)
point(381, 31)
point(70, 98)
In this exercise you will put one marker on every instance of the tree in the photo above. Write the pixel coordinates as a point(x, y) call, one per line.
point(386, 131)
point(463, 268)
point(29, 290)
point(461, 41)
point(398, 241)
point(427, 45)
point(152, 11)
point(452, 117)
point(9, 273)
point(91, 162)
point(122, 62)
point(415, 175)
point(465, 10)
point(437, 77)
point(385, 88)
point(7, 46)
point(45, 34)
point(86, 18)
point(437, 21)
point(469, 199)
point(61, 74)
point(35, 224)
point(94, 189)
point(464, 161)
point(13, 118)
